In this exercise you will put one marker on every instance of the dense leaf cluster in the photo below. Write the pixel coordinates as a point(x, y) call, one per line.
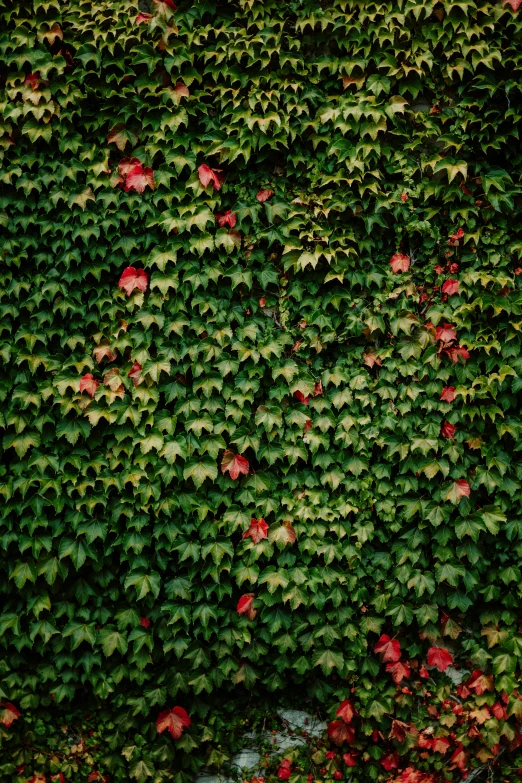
point(261, 368)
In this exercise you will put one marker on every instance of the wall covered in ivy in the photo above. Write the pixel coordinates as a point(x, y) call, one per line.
point(261, 385)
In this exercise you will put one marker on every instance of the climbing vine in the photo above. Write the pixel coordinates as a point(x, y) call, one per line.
point(261, 378)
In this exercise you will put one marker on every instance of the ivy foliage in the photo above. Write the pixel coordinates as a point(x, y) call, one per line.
point(261, 367)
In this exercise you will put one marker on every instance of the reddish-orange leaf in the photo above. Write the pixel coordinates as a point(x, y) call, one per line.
point(226, 218)
point(404, 197)
point(448, 394)
point(455, 352)
point(102, 351)
point(390, 761)
point(257, 531)
point(89, 384)
point(8, 713)
point(424, 673)
point(448, 430)
point(398, 671)
point(446, 333)
point(37, 779)
point(515, 4)
point(480, 682)
point(143, 17)
point(450, 287)
point(439, 657)
point(169, 3)
point(174, 721)
point(132, 278)
point(234, 464)
point(349, 760)
point(208, 175)
point(245, 605)
point(440, 744)
point(400, 263)
point(346, 711)
point(390, 649)
point(318, 389)
point(459, 758)
point(264, 195)
point(135, 373)
point(340, 732)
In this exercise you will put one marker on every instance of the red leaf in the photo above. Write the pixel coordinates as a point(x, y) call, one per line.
point(227, 218)
point(301, 397)
point(174, 721)
point(480, 682)
point(459, 758)
point(400, 263)
point(132, 278)
point(451, 287)
point(439, 657)
point(448, 430)
point(424, 673)
point(207, 175)
point(139, 177)
point(135, 373)
point(499, 711)
point(264, 195)
point(448, 394)
point(234, 464)
point(257, 531)
point(169, 3)
point(390, 761)
point(245, 605)
point(459, 233)
point(318, 389)
point(307, 426)
point(143, 17)
point(462, 488)
point(515, 4)
point(144, 622)
point(455, 352)
point(33, 80)
point(446, 333)
point(127, 164)
point(283, 773)
point(398, 671)
point(340, 732)
point(8, 714)
point(390, 649)
point(60, 776)
point(346, 711)
point(349, 760)
point(89, 384)
point(404, 197)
